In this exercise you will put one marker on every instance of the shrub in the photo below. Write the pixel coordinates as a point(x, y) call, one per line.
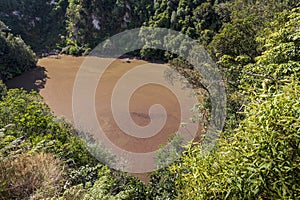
point(26, 174)
point(260, 161)
point(33, 121)
point(107, 186)
point(15, 56)
point(3, 89)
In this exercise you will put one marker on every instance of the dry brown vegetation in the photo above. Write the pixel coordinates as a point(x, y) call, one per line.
point(28, 174)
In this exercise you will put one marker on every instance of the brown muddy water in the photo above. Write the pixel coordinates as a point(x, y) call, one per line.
point(54, 80)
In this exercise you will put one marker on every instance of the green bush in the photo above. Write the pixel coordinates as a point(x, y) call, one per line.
point(260, 161)
point(15, 56)
point(3, 89)
point(109, 185)
point(27, 116)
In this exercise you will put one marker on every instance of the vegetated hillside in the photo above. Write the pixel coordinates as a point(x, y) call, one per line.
point(77, 24)
point(91, 22)
point(15, 56)
point(40, 23)
point(257, 48)
point(258, 154)
point(80, 25)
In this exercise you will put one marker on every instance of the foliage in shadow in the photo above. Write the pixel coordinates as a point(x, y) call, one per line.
point(34, 79)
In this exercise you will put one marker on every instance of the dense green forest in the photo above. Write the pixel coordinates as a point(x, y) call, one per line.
point(40, 23)
point(256, 45)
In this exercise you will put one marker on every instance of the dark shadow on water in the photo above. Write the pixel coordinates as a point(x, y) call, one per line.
point(34, 79)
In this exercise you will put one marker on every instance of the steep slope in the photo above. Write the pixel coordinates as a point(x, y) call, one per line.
point(40, 23)
point(15, 56)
